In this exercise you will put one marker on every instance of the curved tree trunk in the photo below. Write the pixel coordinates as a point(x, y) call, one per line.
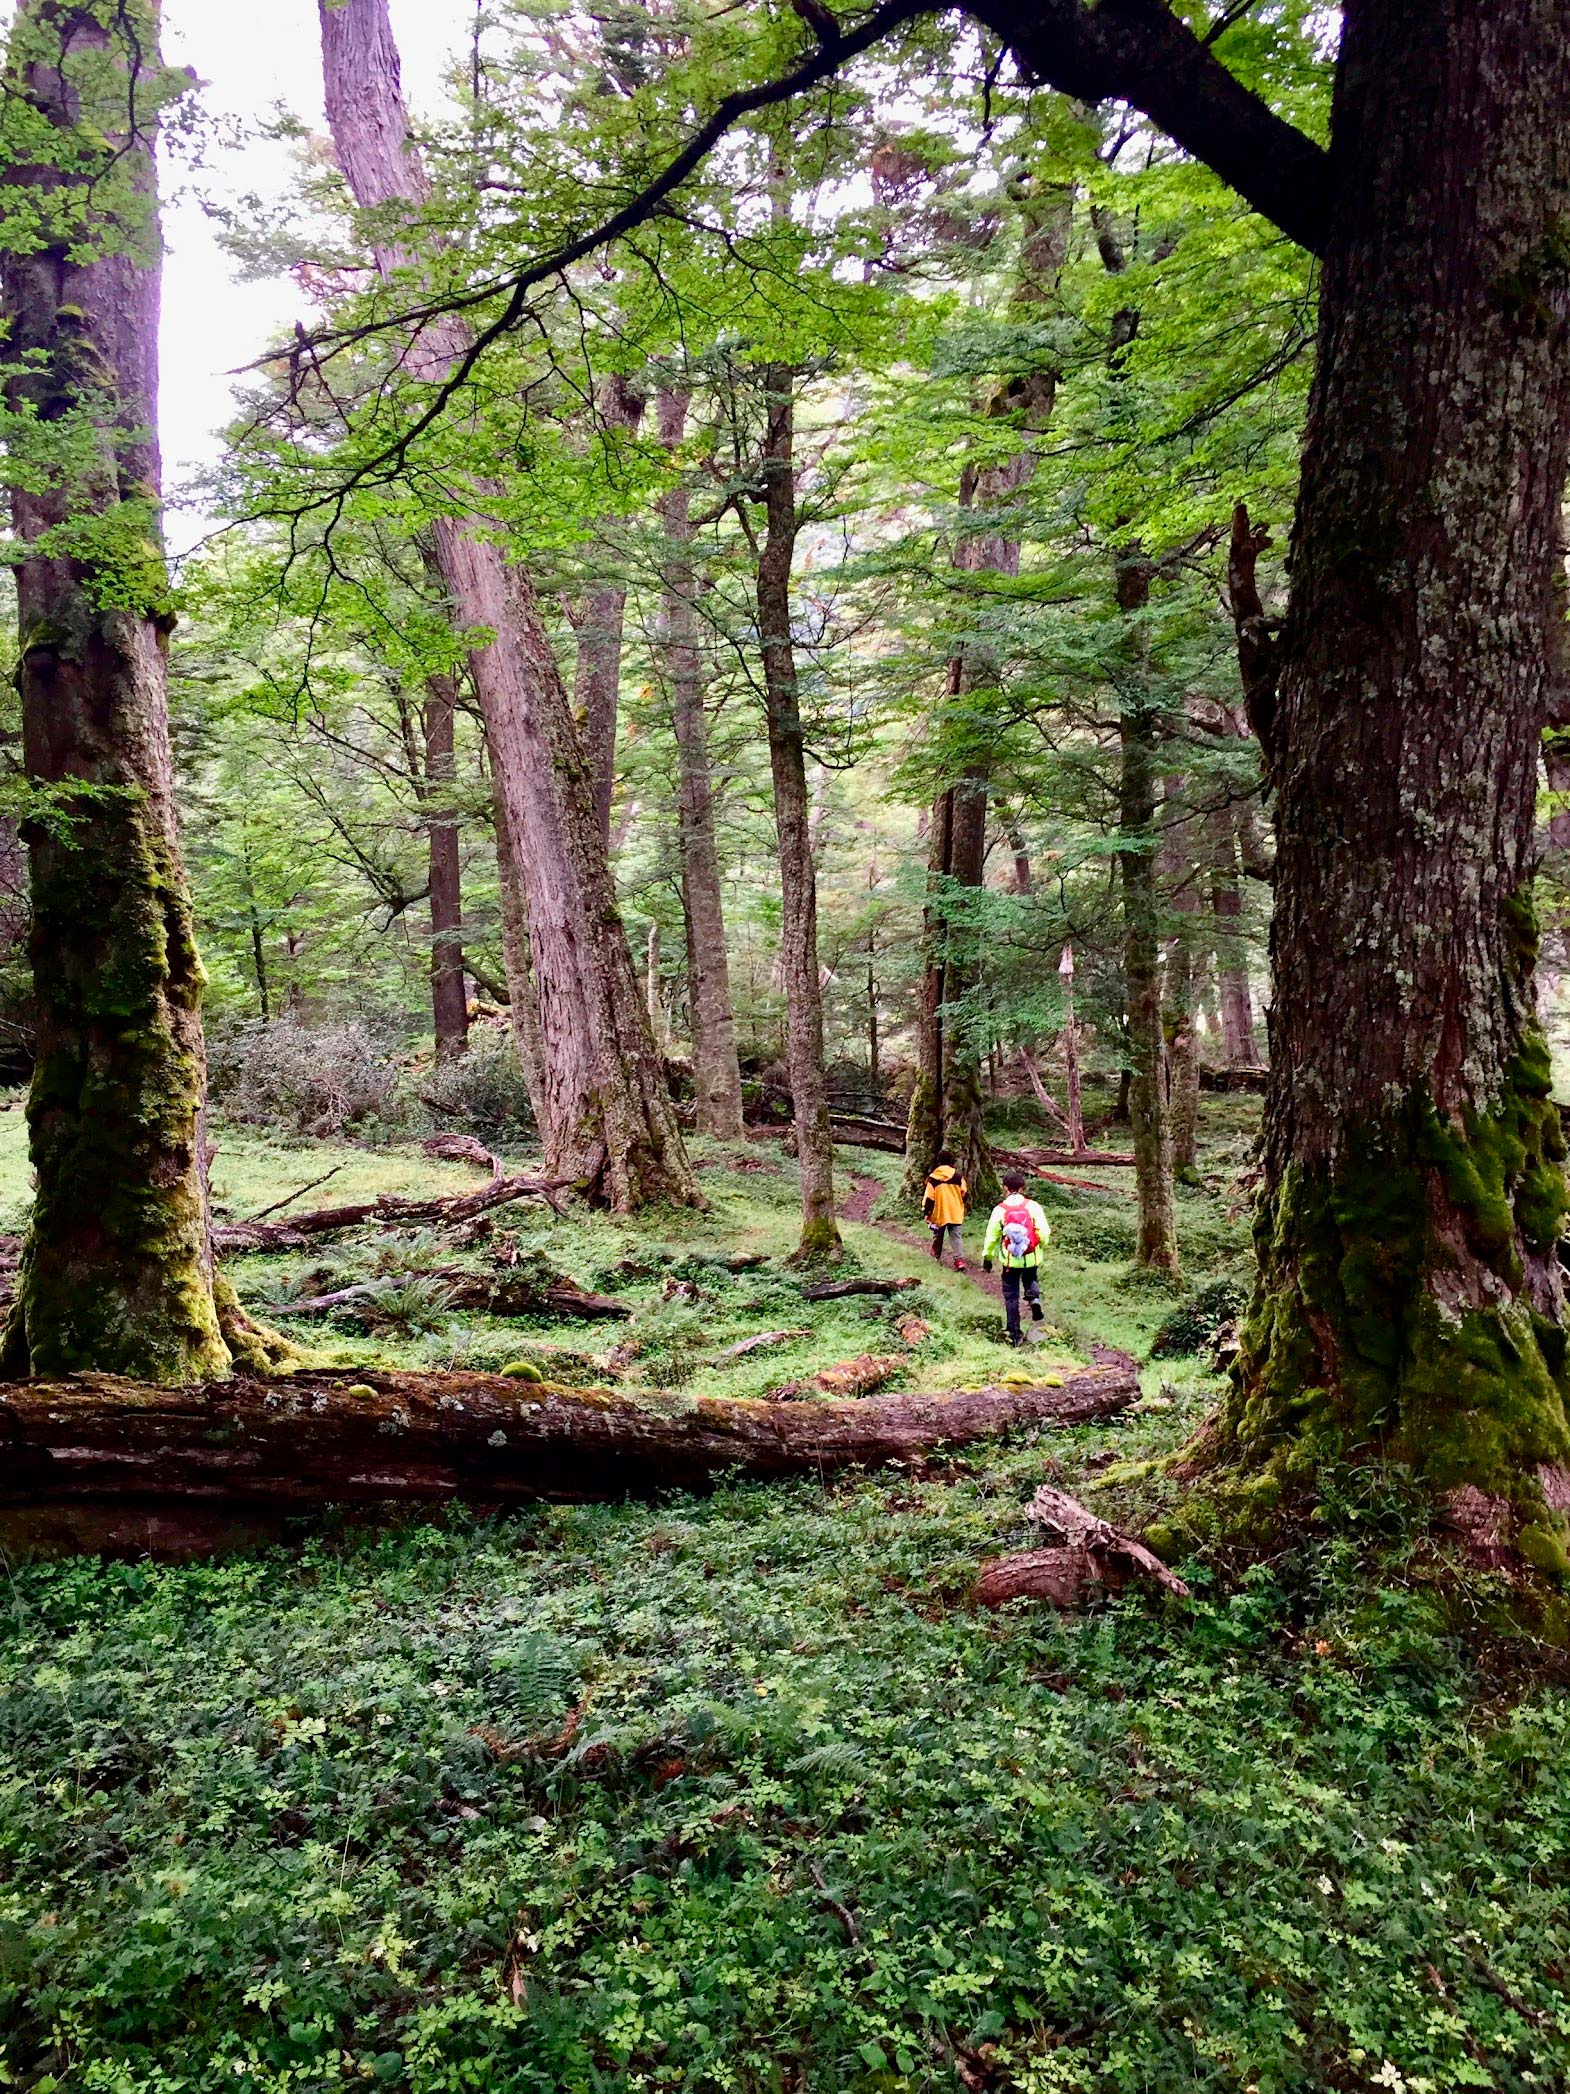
point(716, 1071)
point(117, 1270)
point(607, 1116)
point(1410, 1298)
point(820, 1234)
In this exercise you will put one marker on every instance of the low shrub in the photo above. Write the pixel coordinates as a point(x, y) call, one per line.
point(1197, 1322)
point(481, 1092)
point(304, 1080)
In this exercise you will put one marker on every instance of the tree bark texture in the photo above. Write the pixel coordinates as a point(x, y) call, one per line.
point(449, 999)
point(597, 677)
point(792, 816)
point(1410, 1298)
point(108, 1463)
point(117, 1270)
point(607, 1115)
point(1157, 1244)
point(716, 1071)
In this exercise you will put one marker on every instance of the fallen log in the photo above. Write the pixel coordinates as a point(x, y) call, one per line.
point(390, 1210)
point(1087, 1159)
point(505, 1293)
point(1090, 1557)
point(857, 1377)
point(756, 1342)
point(837, 1290)
point(98, 1462)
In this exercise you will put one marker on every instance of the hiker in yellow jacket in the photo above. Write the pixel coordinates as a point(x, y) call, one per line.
point(1018, 1231)
point(944, 1207)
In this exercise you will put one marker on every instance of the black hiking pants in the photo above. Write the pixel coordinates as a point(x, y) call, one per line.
point(1014, 1278)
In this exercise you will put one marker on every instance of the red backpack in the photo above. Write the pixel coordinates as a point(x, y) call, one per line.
point(1020, 1234)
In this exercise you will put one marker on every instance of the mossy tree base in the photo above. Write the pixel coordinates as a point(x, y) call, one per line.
point(1409, 1310)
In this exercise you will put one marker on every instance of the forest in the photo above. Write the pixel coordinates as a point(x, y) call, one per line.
point(784, 1047)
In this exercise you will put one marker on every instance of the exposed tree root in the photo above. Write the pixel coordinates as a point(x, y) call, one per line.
point(1089, 1557)
point(103, 1463)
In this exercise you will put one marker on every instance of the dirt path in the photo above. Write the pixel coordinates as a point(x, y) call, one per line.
point(858, 1206)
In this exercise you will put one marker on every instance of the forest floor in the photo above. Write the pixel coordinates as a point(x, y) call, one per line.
point(739, 1792)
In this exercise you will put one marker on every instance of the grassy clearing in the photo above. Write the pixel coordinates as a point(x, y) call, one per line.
point(736, 1793)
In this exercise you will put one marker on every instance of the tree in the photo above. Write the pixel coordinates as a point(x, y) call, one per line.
point(820, 1235)
point(716, 1073)
point(117, 1269)
point(607, 1115)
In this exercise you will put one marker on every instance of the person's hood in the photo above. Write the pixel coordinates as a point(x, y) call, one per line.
point(943, 1175)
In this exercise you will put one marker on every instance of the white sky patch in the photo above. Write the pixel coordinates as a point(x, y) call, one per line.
point(252, 58)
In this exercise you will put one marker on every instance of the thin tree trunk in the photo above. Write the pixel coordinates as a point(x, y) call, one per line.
point(597, 677)
point(1157, 1248)
point(820, 1235)
point(449, 1001)
point(522, 1009)
point(946, 1104)
point(117, 1272)
point(607, 1116)
point(1179, 1026)
point(716, 1072)
point(1226, 905)
point(651, 982)
point(1410, 1298)
point(1076, 1112)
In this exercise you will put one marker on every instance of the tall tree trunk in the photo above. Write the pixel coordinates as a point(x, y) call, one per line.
point(449, 1001)
point(1410, 1299)
point(117, 1271)
point(522, 1009)
point(1179, 1018)
point(1157, 1247)
point(820, 1235)
point(1226, 907)
point(607, 1116)
point(716, 1072)
point(946, 1104)
point(597, 678)
point(924, 1118)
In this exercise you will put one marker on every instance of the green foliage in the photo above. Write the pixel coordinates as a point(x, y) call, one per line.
point(316, 1814)
point(1195, 1325)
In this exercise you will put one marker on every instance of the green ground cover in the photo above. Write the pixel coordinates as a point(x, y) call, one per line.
point(739, 1793)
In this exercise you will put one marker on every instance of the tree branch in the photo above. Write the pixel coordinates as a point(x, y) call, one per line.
point(1137, 51)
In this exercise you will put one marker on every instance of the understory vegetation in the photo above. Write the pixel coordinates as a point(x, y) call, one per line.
point(741, 1792)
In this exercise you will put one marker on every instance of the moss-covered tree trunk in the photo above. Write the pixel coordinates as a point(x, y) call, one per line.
point(1410, 1301)
point(820, 1236)
point(716, 1071)
point(117, 1270)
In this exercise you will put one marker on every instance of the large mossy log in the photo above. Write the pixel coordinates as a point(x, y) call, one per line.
point(99, 1462)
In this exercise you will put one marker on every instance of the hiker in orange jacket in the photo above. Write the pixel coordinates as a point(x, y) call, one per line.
point(944, 1206)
